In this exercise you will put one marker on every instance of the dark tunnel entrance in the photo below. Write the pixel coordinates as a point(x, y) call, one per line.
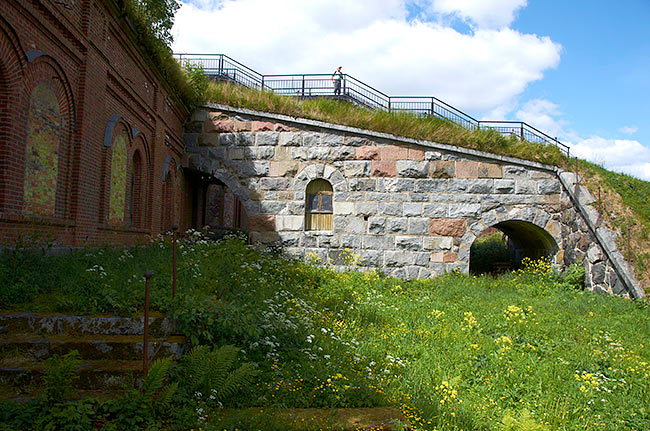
point(215, 208)
point(503, 246)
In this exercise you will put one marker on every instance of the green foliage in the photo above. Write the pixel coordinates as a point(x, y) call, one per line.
point(151, 22)
point(574, 275)
point(159, 14)
point(142, 407)
point(488, 250)
point(197, 79)
point(60, 371)
point(68, 416)
point(396, 123)
point(523, 421)
point(208, 373)
point(454, 352)
point(23, 270)
point(19, 415)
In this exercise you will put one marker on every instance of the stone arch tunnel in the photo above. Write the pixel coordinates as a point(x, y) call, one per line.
point(411, 208)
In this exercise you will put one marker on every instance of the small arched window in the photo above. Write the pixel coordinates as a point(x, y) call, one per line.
point(136, 204)
point(318, 205)
point(117, 200)
point(44, 132)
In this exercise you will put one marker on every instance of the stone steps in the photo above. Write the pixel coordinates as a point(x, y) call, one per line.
point(110, 348)
point(92, 374)
point(43, 323)
point(92, 347)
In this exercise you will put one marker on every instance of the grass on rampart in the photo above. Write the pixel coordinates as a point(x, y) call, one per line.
point(397, 123)
point(526, 351)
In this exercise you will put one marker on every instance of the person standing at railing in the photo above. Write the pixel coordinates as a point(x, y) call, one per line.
point(337, 79)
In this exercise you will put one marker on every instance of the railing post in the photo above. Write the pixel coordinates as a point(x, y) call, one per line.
point(433, 107)
point(303, 87)
point(389, 105)
point(221, 65)
point(521, 132)
point(145, 344)
point(174, 229)
point(262, 82)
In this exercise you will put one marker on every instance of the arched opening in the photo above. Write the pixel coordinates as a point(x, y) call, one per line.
point(214, 205)
point(117, 196)
point(136, 199)
point(503, 246)
point(318, 206)
point(45, 127)
point(4, 135)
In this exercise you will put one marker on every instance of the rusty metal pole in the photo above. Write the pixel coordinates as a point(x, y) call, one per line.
point(145, 344)
point(174, 228)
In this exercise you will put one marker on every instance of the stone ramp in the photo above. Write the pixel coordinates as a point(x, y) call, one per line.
point(110, 348)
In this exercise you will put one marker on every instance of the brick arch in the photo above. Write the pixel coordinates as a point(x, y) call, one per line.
point(170, 195)
point(116, 128)
point(137, 199)
point(320, 171)
point(49, 196)
point(219, 172)
point(543, 226)
point(140, 181)
point(12, 63)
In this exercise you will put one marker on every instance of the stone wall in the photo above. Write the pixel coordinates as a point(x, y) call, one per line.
point(411, 208)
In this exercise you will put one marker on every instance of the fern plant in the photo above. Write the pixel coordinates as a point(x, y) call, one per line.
point(60, 371)
point(144, 406)
point(209, 373)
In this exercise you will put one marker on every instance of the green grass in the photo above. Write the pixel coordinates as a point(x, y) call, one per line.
point(396, 123)
point(455, 352)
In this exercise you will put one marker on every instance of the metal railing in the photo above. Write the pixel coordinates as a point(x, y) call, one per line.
point(222, 67)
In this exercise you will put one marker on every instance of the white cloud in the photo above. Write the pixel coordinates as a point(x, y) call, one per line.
point(483, 72)
point(374, 42)
point(541, 113)
point(628, 130)
point(621, 155)
point(484, 14)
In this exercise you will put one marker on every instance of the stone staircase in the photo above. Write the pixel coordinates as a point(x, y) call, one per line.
point(110, 348)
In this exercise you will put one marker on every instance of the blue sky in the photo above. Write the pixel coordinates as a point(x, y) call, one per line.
point(579, 70)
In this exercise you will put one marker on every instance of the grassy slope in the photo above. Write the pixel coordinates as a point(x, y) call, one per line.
point(455, 352)
point(631, 195)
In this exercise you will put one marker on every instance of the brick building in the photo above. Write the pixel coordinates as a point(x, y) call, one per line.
point(90, 135)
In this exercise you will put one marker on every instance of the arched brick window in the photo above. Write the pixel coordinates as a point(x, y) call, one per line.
point(318, 205)
point(45, 129)
point(136, 196)
point(12, 123)
point(49, 114)
point(117, 194)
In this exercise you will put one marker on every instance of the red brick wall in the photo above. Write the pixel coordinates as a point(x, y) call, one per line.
point(87, 56)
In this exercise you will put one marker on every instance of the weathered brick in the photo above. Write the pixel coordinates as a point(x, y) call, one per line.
point(447, 227)
point(383, 169)
point(367, 153)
